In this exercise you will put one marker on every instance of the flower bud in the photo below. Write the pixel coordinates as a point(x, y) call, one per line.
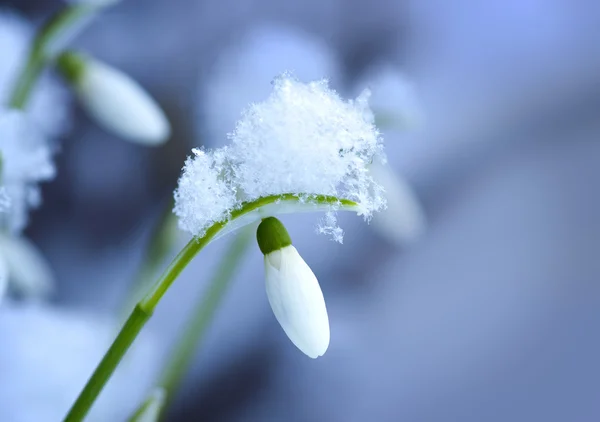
point(116, 101)
point(293, 290)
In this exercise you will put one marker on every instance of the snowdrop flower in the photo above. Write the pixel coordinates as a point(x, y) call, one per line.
point(26, 161)
point(48, 353)
point(293, 290)
point(114, 100)
point(49, 107)
point(27, 270)
point(403, 221)
point(303, 148)
point(243, 72)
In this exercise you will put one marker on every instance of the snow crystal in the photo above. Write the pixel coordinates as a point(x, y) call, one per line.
point(304, 140)
point(49, 105)
point(205, 193)
point(26, 161)
point(329, 226)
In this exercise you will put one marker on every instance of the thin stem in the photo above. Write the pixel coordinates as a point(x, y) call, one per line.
point(111, 359)
point(203, 314)
point(48, 41)
point(146, 306)
point(150, 409)
point(26, 81)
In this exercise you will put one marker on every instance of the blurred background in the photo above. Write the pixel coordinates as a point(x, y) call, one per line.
point(491, 313)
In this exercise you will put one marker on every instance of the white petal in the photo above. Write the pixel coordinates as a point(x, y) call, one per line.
point(30, 273)
point(297, 301)
point(121, 105)
point(404, 220)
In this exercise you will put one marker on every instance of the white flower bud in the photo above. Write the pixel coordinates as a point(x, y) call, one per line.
point(115, 101)
point(293, 291)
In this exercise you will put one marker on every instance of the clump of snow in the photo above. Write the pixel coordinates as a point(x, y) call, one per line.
point(243, 71)
point(303, 140)
point(26, 161)
point(49, 104)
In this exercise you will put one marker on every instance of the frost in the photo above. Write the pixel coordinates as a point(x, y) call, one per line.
point(304, 140)
point(26, 161)
point(329, 226)
point(49, 105)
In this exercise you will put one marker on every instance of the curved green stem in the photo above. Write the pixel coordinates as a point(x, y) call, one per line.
point(146, 306)
point(48, 41)
point(162, 239)
point(204, 312)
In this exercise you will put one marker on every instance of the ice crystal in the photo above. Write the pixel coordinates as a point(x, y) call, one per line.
point(303, 140)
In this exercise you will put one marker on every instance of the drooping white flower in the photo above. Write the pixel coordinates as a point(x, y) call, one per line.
point(243, 71)
point(293, 290)
point(403, 221)
point(28, 272)
point(396, 109)
point(114, 100)
point(26, 161)
point(48, 353)
point(48, 107)
point(302, 140)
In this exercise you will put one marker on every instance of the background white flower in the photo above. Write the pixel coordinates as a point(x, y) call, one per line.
point(26, 161)
point(27, 270)
point(115, 100)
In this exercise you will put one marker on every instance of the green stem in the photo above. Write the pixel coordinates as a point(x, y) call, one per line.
point(46, 44)
point(146, 306)
point(150, 409)
point(26, 81)
point(204, 312)
point(111, 359)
